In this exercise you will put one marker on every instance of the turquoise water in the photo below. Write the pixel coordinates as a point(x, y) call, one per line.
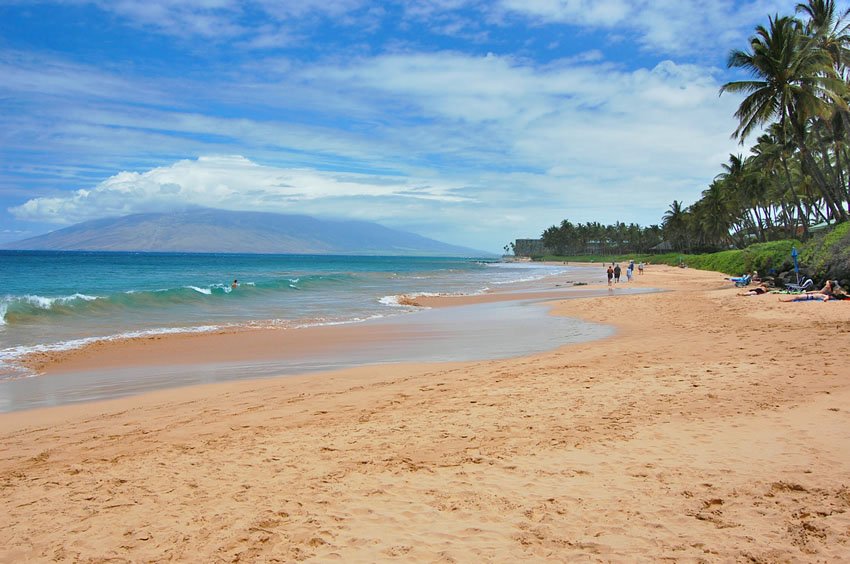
point(63, 300)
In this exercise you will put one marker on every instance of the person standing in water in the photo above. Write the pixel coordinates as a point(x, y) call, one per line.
point(235, 283)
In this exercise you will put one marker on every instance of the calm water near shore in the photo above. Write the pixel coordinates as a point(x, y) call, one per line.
point(59, 301)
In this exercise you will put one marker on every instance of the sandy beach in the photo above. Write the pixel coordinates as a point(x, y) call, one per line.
point(710, 427)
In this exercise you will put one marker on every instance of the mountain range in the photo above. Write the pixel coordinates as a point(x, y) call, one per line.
point(220, 231)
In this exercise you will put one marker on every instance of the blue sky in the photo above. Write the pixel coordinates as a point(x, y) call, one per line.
point(472, 122)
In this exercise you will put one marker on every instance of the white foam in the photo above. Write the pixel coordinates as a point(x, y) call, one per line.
point(84, 297)
point(522, 279)
point(395, 300)
point(524, 265)
point(205, 291)
point(519, 272)
point(315, 322)
point(40, 302)
point(326, 323)
point(11, 354)
point(43, 302)
point(392, 301)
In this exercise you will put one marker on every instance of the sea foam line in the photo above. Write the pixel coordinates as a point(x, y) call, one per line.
point(397, 300)
point(10, 355)
point(41, 302)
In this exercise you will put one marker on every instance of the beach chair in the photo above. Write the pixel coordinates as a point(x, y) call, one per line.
point(742, 281)
point(801, 287)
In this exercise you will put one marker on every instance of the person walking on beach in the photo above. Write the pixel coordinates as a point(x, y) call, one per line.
point(617, 272)
point(640, 267)
point(610, 276)
point(630, 270)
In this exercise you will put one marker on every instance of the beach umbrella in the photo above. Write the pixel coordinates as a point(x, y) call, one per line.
point(796, 266)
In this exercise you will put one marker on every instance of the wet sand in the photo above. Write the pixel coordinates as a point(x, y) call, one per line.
point(710, 427)
point(270, 343)
point(479, 327)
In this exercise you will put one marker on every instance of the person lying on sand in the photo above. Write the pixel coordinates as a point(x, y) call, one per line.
point(830, 291)
point(757, 291)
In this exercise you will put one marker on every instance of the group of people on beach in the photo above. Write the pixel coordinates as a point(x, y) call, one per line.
point(614, 271)
point(831, 291)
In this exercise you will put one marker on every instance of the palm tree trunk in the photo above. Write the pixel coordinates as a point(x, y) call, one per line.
point(788, 212)
point(797, 201)
point(834, 187)
point(846, 183)
point(813, 169)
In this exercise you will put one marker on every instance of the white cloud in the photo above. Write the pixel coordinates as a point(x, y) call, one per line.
point(32, 75)
point(203, 18)
point(471, 140)
point(672, 27)
point(585, 116)
point(602, 13)
point(220, 20)
point(450, 142)
point(226, 182)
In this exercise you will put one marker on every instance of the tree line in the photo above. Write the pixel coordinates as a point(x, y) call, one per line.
point(593, 238)
point(797, 173)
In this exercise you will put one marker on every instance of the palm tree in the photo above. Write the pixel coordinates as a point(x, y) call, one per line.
point(714, 217)
point(675, 224)
point(794, 81)
point(829, 30)
point(766, 153)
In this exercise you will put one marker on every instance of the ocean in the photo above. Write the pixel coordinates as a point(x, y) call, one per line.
point(52, 301)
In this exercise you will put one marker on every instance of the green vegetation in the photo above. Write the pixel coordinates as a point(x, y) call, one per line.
point(793, 186)
point(767, 258)
point(764, 257)
point(796, 175)
point(826, 255)
point(595, 238)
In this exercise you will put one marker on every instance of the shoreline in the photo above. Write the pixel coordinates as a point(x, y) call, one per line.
point(178, 347)
point(449, 329)
point(710, 426)
point(31, 360)
point(44, 326)
point(285, 348)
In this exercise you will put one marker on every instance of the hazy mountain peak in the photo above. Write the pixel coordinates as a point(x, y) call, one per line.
point(207, 230)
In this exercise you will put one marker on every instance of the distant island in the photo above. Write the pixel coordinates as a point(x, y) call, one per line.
point(220, 231)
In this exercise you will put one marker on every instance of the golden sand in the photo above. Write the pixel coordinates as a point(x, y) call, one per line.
point(711, 427)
